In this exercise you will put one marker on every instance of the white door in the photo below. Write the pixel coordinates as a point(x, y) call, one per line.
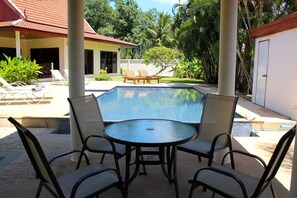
point(263, 54)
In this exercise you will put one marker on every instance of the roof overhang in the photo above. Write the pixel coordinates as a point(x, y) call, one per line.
point(33, 30)
point(285, 23)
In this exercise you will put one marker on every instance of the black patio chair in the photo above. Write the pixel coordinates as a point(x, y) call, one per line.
point(90, 125)
point(84, 182)
point(215, 127)
point(229, 182)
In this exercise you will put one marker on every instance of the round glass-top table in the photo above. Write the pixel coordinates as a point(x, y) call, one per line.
point(151, 133)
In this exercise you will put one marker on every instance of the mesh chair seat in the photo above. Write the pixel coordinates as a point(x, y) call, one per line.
point(90, 126)
point(90, 185)
point(234, 183)
point(85, 182)
point(226, 184)
point(215, 127)
point(102, 145)
point(199, 146)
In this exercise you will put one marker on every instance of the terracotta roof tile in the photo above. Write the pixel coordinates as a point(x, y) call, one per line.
point(50, 16)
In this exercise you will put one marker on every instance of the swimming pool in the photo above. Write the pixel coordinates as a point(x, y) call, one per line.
point(175, 103)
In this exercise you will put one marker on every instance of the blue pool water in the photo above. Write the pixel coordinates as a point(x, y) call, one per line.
point(124, 103)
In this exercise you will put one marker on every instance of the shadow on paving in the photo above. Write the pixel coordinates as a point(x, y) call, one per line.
point(17, 177)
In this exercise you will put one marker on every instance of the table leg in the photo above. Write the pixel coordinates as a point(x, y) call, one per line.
point(127, 173)
point(174, 171)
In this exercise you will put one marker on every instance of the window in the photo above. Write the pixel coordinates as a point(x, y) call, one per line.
point(108, 61)
point(89, 63)
point(8, 52)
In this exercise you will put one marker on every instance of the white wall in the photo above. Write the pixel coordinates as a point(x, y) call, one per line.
point(281, 88)
point(136, 64)
point(62, 44)
point(97, 48)
point(48, 43)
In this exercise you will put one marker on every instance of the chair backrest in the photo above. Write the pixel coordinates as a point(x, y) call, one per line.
point(6, 84)
point(87, 115)
point(129, 73)
point(37, 156)
point(143, 73)
point(56, 74)
point(3, 91)
point(66, 73)
point(217, 116)
point(276, 159)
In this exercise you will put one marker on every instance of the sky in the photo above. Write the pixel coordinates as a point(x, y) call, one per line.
point(160, 5)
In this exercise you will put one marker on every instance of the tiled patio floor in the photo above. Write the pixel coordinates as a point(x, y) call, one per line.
point(17, 178)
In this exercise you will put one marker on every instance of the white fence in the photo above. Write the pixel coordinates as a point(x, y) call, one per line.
point(136, 64)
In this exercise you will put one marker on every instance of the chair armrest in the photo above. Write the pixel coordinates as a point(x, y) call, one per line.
point(221, 172)
point(246, 154)
point(214, 142)
point(102, 137)
point(19, 84)
point(67, 153)
point(89, 175)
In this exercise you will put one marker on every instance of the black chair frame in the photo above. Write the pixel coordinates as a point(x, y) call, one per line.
point(265, 181)
point(56, 190)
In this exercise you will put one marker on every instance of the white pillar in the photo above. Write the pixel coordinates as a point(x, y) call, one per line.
point(293, 189)
point(18, 43)
point(75, 61)
point(227, 60)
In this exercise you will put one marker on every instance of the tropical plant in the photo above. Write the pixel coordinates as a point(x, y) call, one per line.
point(189, 69)
point(160, 31)
point(19, 69)
point(101, 16)
point(162, 57)
point(197, 37)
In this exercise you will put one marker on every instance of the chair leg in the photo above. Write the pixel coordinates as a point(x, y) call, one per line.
point(213, 195)
point(143, 166)
point(38, 190)
point(102, 158)
point(79, 159)
point(272, 191)
point(193, 187)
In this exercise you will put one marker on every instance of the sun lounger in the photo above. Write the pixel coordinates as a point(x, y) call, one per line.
point(24, 96)
point(129, 75)
point(66, 75)
point(12, 86)
point(57, 78)
point(149, 78)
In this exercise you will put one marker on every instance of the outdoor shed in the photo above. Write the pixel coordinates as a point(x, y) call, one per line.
point(275, 66)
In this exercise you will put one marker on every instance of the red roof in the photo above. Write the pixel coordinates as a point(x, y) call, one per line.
point(285, 23)
point(46, 17)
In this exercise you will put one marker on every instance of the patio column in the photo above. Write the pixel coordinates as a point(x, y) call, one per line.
point(227, 57)
point(75, 61)
point(18, 43)
point(293, 189)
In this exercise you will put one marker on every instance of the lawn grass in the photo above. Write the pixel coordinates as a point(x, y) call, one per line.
point(169, 80)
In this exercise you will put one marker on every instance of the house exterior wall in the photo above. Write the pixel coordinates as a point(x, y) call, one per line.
point(7, 42)
point(61, 43)
point(281, 90)
point(97, 48)
point(48, 43)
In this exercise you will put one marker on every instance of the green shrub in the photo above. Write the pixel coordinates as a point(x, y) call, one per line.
point(19, 69)
point(189, 69)
point(102, 77)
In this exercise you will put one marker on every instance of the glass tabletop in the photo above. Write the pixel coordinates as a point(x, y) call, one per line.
point(150, 132)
